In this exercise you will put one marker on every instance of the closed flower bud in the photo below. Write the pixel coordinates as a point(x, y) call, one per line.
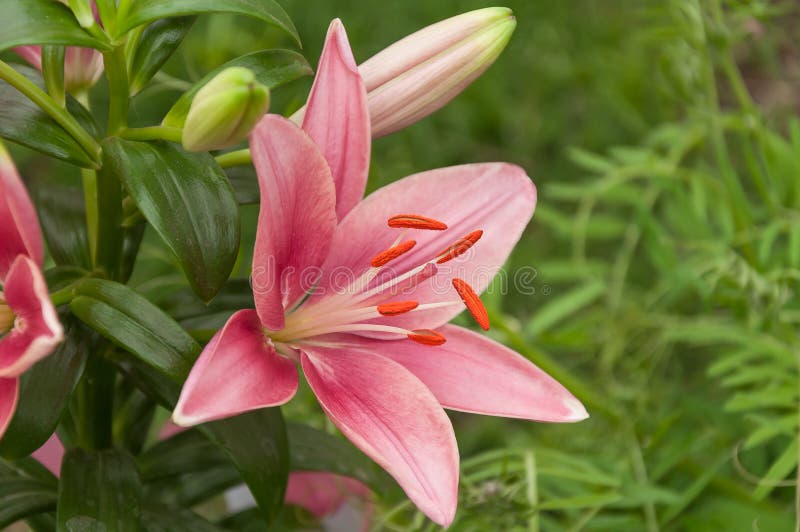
point(225, 110)
point(422, 72)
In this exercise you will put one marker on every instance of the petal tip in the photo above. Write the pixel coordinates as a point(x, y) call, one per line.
point(577, 412)
point(337, 32)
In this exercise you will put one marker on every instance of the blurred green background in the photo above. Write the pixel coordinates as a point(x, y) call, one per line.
point(662, 136)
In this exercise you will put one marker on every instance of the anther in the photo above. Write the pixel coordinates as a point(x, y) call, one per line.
point(473, 302)
point(459, 247)
point(392, 253)
point(415, 221)
point(427, 337)
point(398, 307)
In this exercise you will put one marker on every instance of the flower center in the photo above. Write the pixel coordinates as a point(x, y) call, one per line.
point(6, 316)
point(356, 308)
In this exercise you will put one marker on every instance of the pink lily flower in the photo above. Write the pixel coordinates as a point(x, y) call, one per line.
point(29, 326)
point(359, 293)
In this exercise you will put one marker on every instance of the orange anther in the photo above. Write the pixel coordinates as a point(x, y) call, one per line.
point(459, 247)
point(473, 303)
point(427, 337)
point(415, 221)
point(397, 307)
point(392, 253)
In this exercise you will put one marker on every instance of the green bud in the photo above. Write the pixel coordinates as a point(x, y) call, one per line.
point(225, 110)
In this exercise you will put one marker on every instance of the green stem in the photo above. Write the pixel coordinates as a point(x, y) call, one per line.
point(235, 158)
point(49, 106)
point(53, 72)
point(172, 134)
point(95, 397)
point(89, 178)
point(119, 97)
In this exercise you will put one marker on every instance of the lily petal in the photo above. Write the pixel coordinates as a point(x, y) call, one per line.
point(20, 233)
point(51, 454)
point(297, 217)
point(32, 54)
point(238, 371)
point(390, 415)
point(9, 395)
point(338, 120)
point(472, 373)
point(498, 198)
point(37, 331)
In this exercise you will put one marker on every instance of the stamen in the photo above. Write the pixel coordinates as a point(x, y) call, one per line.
point(415, 221)
point(459, 247)
point(427, 337)
point(7, 317)
point(398, 307)
point(392, 253)
point(473, 302)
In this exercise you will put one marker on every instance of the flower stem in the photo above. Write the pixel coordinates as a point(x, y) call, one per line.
point(172, 134)
point(49, 106)
point(95, 404)
point(89, 178)
point(53, 72)
point(235, 158)
point(119, 96)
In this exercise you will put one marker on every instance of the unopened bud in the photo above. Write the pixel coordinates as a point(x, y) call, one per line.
point(225, 110)
point(421, 73)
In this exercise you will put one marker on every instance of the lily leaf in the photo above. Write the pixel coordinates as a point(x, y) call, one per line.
point(41, 22)
point(157, 44)
point(271, 68)
point(99, 490)
point(23, 122)
point(143, 11)
point(188, 201)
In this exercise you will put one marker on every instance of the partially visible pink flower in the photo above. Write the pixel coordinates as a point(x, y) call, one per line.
point(324, 494)
point(29, 326)
point(51, 454)
point(82, 66)
point(359, 293)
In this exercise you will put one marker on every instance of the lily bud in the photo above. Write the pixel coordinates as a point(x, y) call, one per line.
point(82, 66)
point(225, 110)
point(422, 72)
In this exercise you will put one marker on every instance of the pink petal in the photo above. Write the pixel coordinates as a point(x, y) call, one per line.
point(9, 395)
point(20, 233)
point(323, 493)
point(498, 198)
point(391, 416)
point(473, 373)
point(297, 218)
point(51, 454)
point(338, 120)
point(82, 67)
point(31, 54)
point(37, 331)
point(238, 371)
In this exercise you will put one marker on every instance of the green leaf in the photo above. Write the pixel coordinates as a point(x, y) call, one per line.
point(157, 44)
point(272, 68)
point(188, 201)
point(99, 491)
point(781, 468)
point(314, 450)
point(41, 22)
point(133, 323)
point(23, 122)
point(63, 218)
point(564, 306)
point(158, 518)
point(24, 497)
point(143, 11)
point(257, 444)
point(38, 413)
